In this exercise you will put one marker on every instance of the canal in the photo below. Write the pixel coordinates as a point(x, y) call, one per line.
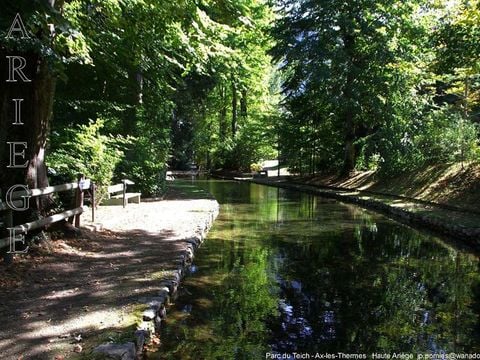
point(284, 272)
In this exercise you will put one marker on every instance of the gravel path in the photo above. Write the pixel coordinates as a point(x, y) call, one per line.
point(68, 296)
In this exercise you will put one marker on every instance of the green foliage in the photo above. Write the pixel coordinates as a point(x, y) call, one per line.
point(224, 116)
point(145, 165)
point(85, 150)
point(442, 135)
point(145, 161)
point(50, 34)
point(255, 167)
point(366, 84)
point(447, 136)
point(376, 84)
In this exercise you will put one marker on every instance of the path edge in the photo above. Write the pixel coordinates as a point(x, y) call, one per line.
point(156, 312)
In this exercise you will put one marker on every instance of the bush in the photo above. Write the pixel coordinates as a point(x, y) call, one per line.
point(255, 167)
point(440, 135)
point(86, 151)
point(145, 164)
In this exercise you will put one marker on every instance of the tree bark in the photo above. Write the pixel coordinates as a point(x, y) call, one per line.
point(223, 114)
point(36, 112)
point(243, 104)
point(234, 108)
point(350, 155)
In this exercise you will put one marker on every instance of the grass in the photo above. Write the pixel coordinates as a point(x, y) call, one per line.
point(120, 335)
point(447, 184)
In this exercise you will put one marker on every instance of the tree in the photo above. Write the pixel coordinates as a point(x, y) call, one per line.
point(227, 122)
point(345, 57)
point(48, 43)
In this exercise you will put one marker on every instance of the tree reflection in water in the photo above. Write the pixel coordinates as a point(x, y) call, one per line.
point(283, 271)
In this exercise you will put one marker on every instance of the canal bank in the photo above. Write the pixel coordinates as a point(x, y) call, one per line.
point(452, 221)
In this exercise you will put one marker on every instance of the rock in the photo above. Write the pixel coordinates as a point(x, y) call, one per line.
point(163, 296)
point(158, 323)
point(78, 348)
point(117, 351)
point(189, 254)
point(146, 326)
point(193, 242)
point(162, 312)
point(140, 338)
point(164, 290)
point(149, 314)
point(155, 303)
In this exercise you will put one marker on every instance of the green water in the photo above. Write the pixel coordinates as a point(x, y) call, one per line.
point(283, 272)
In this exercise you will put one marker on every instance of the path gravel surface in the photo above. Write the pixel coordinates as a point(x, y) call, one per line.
point(69, 295)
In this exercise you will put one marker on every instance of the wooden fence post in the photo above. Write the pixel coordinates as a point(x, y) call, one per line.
point(92, 192)
point(79, 199)
point(8, 257)
point(124, 193)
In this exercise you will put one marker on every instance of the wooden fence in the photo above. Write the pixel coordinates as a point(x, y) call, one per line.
point(81, 186)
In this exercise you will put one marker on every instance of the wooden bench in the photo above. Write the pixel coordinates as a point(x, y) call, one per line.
point(118, 195)
point(169, 176)
point(261, 173)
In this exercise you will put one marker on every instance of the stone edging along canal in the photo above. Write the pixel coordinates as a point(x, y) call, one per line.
point(469, 235)
point(156, 312)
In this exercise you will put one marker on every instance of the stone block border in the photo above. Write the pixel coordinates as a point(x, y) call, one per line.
point(156, 311)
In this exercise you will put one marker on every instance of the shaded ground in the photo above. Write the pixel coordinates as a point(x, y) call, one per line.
point(70, 295)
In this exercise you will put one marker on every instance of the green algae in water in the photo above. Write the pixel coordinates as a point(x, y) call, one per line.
point(286, 272)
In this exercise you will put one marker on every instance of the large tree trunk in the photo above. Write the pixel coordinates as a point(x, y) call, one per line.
point(36, 110)
point(36, 88)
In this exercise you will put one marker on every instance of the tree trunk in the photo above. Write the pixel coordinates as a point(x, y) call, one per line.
point(36, 88)
point(234, 107)
point(243, 104)
point(350, 155)
point(223, 114)
point(36, 111)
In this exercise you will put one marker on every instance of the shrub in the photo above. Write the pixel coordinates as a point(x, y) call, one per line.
point(145, 164)
point(255, 167)
point(440, 135)
point(87, 151)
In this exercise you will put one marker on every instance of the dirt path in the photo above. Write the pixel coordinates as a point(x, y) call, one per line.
point(74, 294)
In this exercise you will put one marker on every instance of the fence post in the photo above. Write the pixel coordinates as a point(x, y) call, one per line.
point(124, 193)
point(8, 257)
point(92, 192)
point(79, 199)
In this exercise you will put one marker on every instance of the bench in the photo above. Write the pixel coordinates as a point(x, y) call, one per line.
point(169, 176)
point(261, 173)
point(118, 195)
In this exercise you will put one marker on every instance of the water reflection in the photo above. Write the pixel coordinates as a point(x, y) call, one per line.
point(283, 271)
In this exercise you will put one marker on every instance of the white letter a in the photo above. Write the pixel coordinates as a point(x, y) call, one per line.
point(17, 26)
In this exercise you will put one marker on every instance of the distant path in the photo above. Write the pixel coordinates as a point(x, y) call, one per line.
point(83, 291)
